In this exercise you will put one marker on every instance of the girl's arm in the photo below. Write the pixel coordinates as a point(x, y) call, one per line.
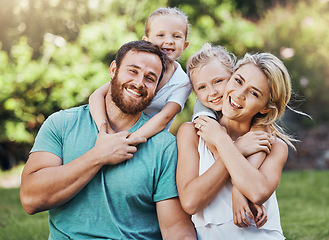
point(195, 192)
point(256, 184)
point(255, 154)
point(159, 121)
point(97, 105)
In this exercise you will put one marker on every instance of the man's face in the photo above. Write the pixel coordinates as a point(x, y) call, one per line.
point(134, 82)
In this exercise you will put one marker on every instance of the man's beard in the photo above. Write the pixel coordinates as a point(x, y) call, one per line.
point(129, 106)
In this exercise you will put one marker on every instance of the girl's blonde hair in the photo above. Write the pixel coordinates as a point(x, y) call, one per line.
point(207, 54)
point(280, 91)
point(168, 11)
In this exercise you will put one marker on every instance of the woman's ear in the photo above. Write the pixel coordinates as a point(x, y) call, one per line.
point(113, 69)
point(265, 110)
point(145, 38)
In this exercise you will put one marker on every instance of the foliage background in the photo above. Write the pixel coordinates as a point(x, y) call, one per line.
point(54, 53)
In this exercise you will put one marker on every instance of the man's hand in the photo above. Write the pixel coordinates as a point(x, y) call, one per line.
point(113, 148)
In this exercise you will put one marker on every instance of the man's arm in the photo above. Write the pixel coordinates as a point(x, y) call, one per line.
point(47, 183)
point(174, 222)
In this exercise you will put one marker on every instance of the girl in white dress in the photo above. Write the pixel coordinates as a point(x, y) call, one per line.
point(227, 185)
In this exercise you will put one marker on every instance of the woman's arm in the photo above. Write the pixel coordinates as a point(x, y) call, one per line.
point(256, 184)
point(195, 192)
point(97, 105)
point(159, 121)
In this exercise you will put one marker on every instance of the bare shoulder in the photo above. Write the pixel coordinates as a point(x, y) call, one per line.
point(187, 133)
point(187, 129)
point(279, 150)
point(280, 144)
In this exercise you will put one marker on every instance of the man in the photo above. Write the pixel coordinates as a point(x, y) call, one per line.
point(97, 185)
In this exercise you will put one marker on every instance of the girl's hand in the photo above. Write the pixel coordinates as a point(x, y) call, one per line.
point(209, 129)
point(253, 142)
point(241, 209)
point(260, 214)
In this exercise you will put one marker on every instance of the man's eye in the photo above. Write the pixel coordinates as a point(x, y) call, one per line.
point(150, 79)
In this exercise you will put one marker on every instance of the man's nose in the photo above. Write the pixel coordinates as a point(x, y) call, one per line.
point(139, 80)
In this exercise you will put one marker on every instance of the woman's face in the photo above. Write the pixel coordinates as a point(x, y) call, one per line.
point(246, 94)
point(209, 83)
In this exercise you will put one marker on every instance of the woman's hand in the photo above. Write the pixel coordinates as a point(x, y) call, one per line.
point(241, 209)
point(253, 142)
point(209, 129)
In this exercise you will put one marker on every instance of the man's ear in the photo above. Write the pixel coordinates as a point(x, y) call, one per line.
point(145, 38)
point(113, 69)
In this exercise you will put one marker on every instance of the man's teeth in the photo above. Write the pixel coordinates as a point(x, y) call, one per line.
point(235, 104)
point(133, 92)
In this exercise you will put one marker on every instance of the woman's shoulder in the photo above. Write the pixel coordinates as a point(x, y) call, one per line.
point(187, 131)
point(279, 148)
point(279, 143)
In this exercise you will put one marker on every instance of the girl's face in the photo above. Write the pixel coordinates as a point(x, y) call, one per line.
point(246, 94)
point(209, 84)
point(168, 33)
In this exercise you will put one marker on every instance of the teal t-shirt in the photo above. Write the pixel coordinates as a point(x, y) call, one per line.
point(119, 202)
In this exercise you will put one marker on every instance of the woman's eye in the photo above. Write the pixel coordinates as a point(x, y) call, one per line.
point(201, 87)
point(254, 94)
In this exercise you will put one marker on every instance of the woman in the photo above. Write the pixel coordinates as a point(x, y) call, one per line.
point(256, 95)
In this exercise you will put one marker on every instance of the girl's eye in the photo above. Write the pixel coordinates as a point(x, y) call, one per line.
point(177, 36)
point(238, 80)
point(201, 87)
point(133, 71)
point(219, 81)
point(160, 35)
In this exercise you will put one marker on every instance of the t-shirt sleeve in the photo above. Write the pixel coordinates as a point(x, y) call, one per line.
point(166, 185)
point(49, 137)
point(180, 94)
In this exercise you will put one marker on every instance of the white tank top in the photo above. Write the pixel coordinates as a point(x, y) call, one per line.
point(219, 211)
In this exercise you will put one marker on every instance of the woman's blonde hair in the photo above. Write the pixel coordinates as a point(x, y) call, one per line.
point(280, 91)
point(207, 54)
point(168, 11)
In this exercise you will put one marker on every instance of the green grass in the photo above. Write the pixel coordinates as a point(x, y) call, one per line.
point(304, 205)
point(303, 200)
point(15, 223)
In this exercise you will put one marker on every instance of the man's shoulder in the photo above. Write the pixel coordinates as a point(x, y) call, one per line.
point(71, 112)
point(67, 117)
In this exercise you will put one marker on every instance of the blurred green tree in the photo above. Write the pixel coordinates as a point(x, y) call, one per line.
point(53, 54)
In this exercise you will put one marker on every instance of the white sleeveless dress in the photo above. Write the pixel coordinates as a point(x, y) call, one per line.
point(216, 220)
